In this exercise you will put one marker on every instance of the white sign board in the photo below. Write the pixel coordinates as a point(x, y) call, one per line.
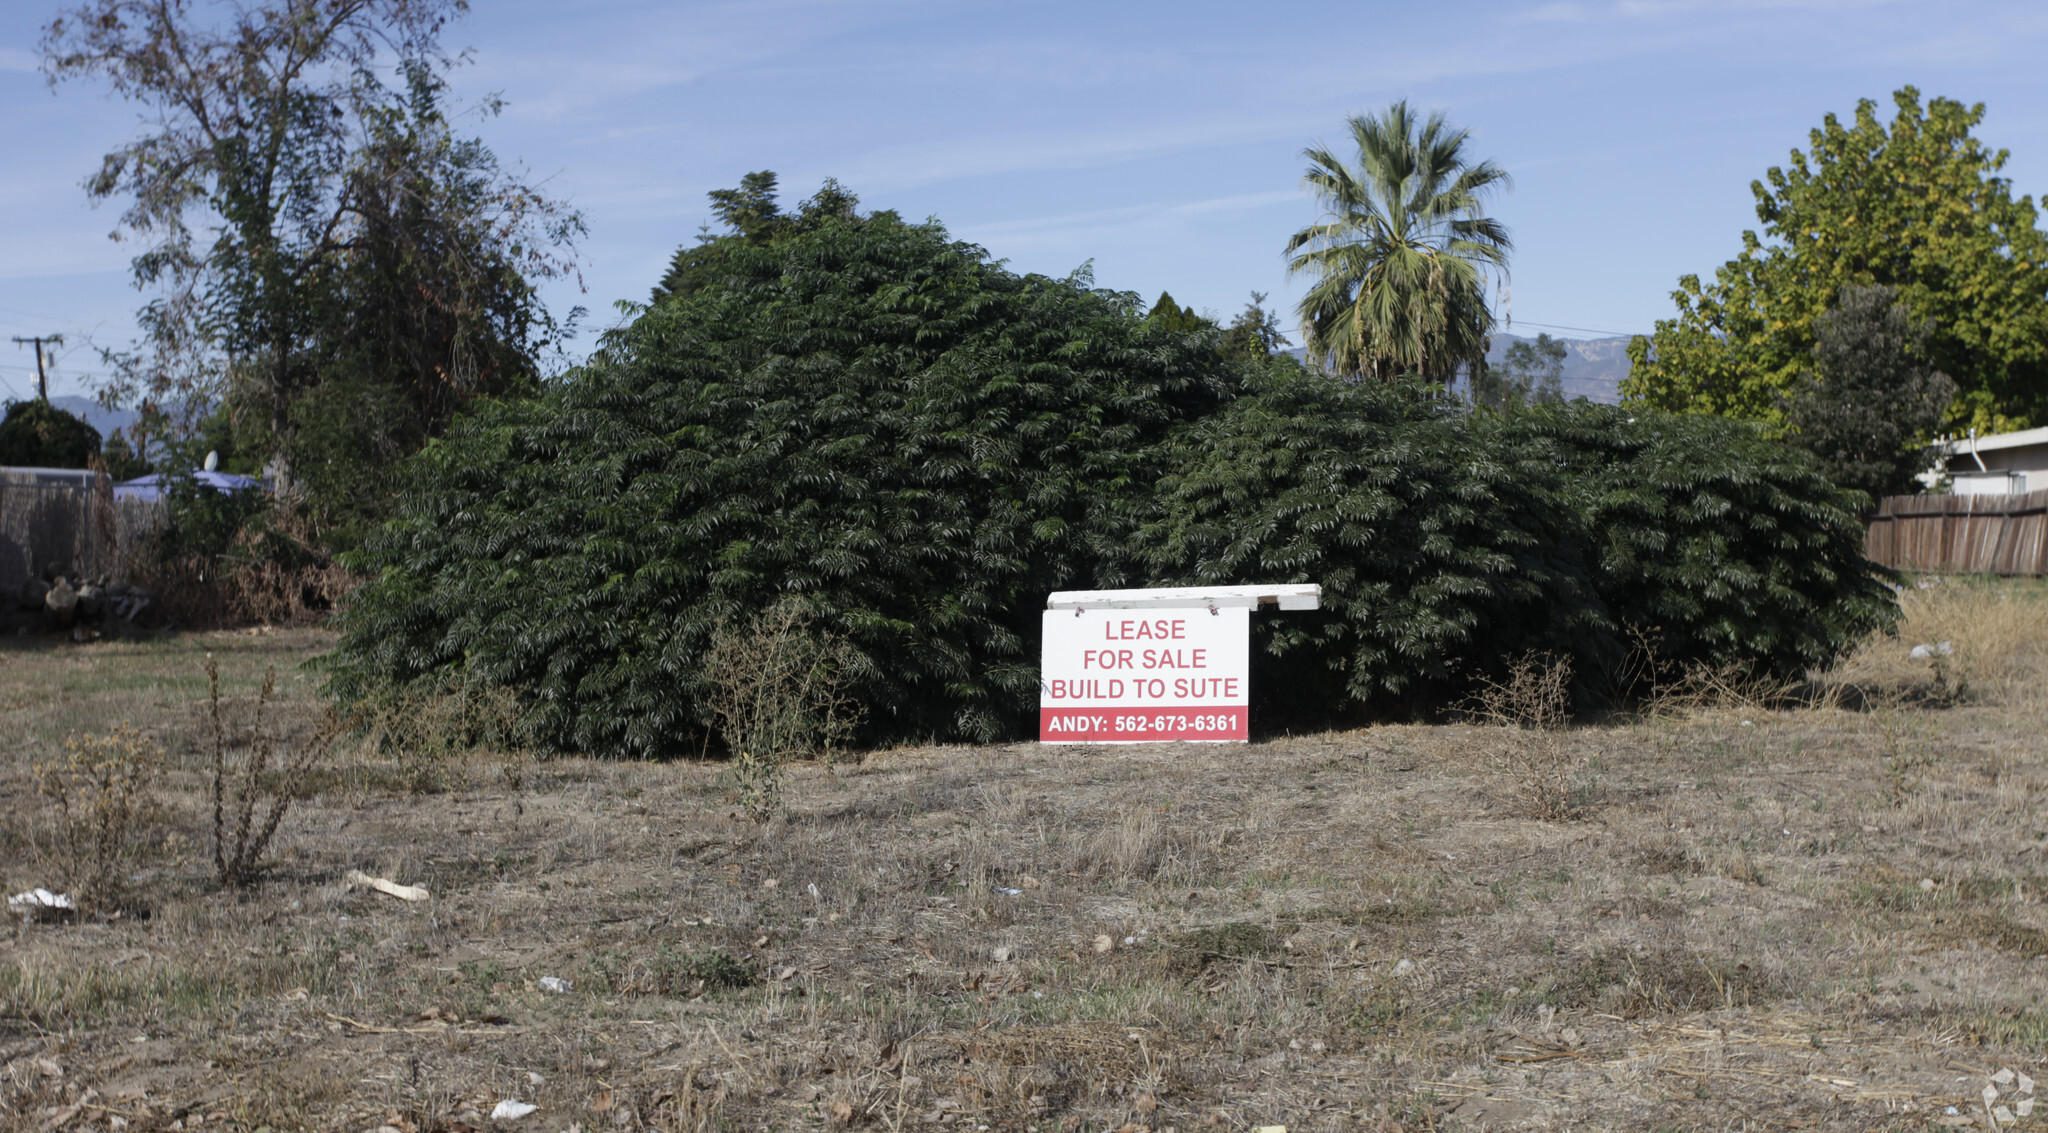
point(1111, 675)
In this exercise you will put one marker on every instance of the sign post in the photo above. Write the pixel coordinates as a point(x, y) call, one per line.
point(1141, 666)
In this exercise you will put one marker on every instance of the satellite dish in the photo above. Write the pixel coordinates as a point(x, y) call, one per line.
point(212, 461)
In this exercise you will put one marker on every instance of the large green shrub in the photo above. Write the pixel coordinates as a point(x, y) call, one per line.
point(922, 445)
point(36, 434)
point(1441, 555)
point(1733, 548)
point(860, 411)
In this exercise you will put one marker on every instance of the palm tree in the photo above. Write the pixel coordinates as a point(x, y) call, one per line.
point(1402, 258)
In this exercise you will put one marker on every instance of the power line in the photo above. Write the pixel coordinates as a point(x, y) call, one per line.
point(1582, 330)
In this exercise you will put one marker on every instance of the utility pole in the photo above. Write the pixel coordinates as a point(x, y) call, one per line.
point(42, 382)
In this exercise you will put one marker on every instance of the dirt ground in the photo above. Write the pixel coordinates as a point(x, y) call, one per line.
point(1821, 915)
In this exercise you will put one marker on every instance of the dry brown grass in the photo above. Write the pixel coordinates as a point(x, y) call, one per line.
point(1997, 631)
point(1751, 924)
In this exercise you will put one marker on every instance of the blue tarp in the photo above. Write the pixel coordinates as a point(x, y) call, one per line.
point(151, 487)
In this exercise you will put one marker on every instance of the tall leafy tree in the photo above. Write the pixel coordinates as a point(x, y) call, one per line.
point(1255, 333)
point(1400, 264)
point(1169, 315)
point(302, 217)
point(1530, 373)
point(1872, 401)
point(1916, 204)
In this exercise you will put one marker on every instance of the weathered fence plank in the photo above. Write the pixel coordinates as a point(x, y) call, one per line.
point(2003, 534)
point(67, 518)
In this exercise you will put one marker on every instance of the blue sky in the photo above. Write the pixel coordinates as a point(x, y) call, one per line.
point(1161, 141)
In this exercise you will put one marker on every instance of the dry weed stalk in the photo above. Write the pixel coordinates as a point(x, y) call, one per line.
point(1667, 689)
point(1903, 757)
point(424, 728)
point(104, 790)
point(239, 840)
point(778, 692)
point(1532, 705)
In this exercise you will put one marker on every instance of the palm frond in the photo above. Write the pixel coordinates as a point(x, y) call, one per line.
point(1402, 257)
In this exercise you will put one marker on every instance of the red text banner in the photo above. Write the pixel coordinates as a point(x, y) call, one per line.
point(1096, 726)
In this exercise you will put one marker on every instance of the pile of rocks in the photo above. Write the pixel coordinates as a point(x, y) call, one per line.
point(85, 606)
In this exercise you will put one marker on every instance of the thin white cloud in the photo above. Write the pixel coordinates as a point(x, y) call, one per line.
point(1026, 234)
point(1579, 12)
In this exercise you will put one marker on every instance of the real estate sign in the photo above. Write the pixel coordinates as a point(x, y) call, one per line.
point(1135, 676)
point(1141, 666)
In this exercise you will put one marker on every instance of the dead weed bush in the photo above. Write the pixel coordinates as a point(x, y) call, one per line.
point(1531, 707)
point(104, 790)
point(425, 731)
point(1905, 750)
point(273, 575)
point(778, 692)
point(252, 790)
point(1660, 689)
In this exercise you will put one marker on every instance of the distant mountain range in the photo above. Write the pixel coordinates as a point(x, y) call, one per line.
point(98, 416)
point(1593, 367)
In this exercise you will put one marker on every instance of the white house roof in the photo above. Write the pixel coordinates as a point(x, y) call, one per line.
point(1996, 441)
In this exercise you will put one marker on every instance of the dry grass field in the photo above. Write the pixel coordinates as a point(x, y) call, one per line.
point(1744, 913)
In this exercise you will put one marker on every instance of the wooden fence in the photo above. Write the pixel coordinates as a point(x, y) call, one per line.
point(2005, 534)
point(67, 519)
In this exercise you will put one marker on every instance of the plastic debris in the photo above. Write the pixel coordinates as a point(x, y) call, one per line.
point(1009, 892)
point(509, 1110)
point(386, 885)
point(1923, 652)
point(556, 984)
point(42, 905)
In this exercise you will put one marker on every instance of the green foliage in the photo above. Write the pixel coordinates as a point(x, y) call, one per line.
point(320, 243)
point(1399, 271)
point(1168, 315)
point(860, 411)
point(1870, 411)
point(1917, 205)
point(861, 419)
point(1435, 555)
point(1448, 544)
point(123, 462)
point(1735, 549)
point(36, 434)
point(1530, 373)
point(1254, 334)
point(433, 305)
point(752, 217)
